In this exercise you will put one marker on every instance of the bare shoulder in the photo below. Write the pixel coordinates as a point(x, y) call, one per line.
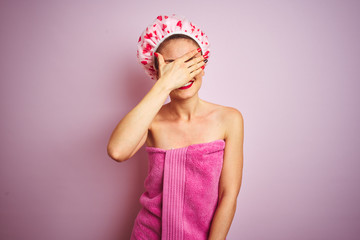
point(231, 114)
point(155, 125)
point(230, 118)
point(160, 116)
point(233, 122)
point(225, 113)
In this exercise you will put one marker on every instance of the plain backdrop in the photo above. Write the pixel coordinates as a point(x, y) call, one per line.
point(69, 73)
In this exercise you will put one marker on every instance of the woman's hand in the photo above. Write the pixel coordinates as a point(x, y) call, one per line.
point(180, 71)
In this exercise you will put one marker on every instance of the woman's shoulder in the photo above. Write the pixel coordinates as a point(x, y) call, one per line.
point(160, 117)
point(225, 112)
point(230, 118)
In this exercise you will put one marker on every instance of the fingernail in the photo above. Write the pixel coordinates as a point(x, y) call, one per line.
point(205, 61)
point(156, 54)
point(199, 49)
point(205, 56)
point(203, 67)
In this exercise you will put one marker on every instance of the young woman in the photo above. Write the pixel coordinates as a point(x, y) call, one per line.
point(195, 147)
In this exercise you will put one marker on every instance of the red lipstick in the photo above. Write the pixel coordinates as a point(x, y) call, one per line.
point(186, 87)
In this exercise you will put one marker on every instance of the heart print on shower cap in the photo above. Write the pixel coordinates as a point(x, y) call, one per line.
point(163, 27)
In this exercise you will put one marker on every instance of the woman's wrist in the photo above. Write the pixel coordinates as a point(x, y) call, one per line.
point(163, 86)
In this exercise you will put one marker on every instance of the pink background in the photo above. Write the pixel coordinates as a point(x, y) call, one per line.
point(69, 74)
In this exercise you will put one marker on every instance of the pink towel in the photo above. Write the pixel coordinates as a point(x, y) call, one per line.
point(181, 192)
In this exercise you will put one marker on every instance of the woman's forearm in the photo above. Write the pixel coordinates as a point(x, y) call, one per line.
point(130, 130)
point(223, 217)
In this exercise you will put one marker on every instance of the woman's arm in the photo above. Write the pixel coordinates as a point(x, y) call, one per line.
point(231, 176)
point(131, 132)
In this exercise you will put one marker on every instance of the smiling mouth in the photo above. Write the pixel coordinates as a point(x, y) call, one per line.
point(188, 85)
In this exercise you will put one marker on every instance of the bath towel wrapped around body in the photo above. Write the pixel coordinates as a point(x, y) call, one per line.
point(181, 192)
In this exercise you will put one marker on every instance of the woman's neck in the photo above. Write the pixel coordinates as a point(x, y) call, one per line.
point(185, 109)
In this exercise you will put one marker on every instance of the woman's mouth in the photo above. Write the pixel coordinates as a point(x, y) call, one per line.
point(186, 86)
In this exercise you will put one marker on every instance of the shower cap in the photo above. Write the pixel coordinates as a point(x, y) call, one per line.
point(163, 27)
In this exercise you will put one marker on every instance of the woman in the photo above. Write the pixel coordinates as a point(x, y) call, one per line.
point(195, 147)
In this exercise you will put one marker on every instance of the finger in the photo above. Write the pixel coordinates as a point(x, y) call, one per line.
point(194, 61)
point(194, 73)
point(160, 59)
point(189, 55)
point(196, 66)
